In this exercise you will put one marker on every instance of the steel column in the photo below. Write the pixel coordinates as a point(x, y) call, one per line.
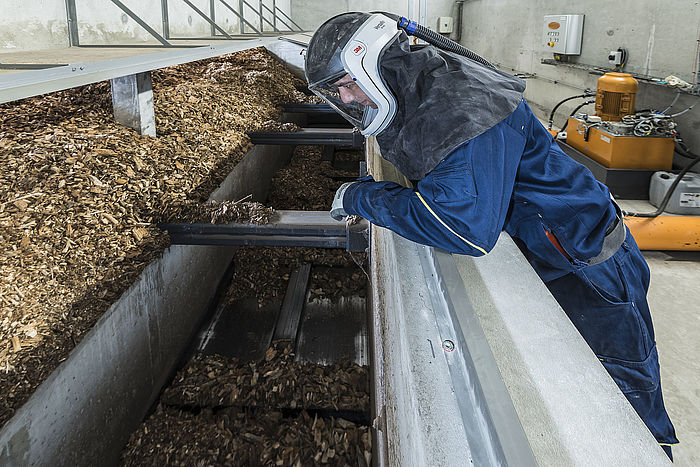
point(212, 15)
point(165, 19)
point(72, 19)
point(132, 99)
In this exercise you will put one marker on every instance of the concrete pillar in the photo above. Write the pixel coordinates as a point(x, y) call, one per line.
point(132, 98)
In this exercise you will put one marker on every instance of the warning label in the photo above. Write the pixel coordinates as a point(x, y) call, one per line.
point(689, 200)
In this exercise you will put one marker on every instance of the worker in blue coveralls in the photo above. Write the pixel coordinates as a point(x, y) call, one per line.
point(481, 163)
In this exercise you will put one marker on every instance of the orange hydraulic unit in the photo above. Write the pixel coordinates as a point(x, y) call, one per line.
point(618, 138)
point(666, 232)
point(620, 152)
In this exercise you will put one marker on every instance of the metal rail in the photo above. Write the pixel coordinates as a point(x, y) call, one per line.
point(288, 228)
point(36, 82)
point(310, 136)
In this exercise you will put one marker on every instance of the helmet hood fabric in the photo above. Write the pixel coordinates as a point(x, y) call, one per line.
point(443, 101)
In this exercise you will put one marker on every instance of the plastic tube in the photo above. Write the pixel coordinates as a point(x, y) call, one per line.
point(441, 42)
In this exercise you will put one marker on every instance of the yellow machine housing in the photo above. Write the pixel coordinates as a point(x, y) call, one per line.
point(620, 152)
point(615, 96)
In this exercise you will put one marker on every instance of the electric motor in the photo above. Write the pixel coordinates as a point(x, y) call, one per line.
point(615, 96)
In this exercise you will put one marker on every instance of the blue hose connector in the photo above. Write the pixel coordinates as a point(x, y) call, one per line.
point(408, 25)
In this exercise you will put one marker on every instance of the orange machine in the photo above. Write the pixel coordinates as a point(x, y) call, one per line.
point(618, 138)
point(618, 151)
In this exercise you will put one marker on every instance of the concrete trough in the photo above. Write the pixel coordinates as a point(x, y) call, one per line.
point(85, 411)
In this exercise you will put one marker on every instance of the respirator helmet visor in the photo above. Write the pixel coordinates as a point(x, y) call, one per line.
point(342, 68)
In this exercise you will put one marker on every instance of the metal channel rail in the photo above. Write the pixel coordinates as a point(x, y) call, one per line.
point(287, 228)
point(35, 82)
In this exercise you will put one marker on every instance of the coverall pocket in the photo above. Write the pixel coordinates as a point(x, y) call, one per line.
point(632, 376)
point(608, 281)
point(453, 184)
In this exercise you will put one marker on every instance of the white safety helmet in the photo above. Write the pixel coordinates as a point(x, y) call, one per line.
point(345, 52)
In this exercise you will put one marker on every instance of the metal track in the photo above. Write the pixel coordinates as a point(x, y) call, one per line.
point(310, 136)
point(288, 228)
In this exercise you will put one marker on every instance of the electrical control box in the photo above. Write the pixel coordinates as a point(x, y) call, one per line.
point(444, 24)
point(563, 34)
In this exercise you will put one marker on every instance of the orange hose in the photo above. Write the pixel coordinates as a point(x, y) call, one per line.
point(666, 232)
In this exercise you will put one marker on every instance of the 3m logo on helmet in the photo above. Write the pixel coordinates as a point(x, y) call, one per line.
point(358, 49)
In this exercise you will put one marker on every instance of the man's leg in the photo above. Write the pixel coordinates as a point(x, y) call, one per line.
point(607, 304)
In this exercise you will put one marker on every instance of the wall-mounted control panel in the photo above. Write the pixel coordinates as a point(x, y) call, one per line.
point(563, 33)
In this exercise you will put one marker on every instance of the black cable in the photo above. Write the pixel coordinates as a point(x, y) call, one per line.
point(672, 188)
point(442, 42)
point(592, 101)
point(551, 115)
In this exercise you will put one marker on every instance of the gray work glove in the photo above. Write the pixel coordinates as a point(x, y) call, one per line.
point(337, 211)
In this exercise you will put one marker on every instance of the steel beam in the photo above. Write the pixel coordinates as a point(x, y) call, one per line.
point(288, 228)
point(141, 23)
point(308, 108)
point(243, 2)
point(241, 17)
point(290, 19)
point(212, 15)
point(29, 66)
point(310, 136)
point(274, 15)
point(206, 18)
point(32, 83)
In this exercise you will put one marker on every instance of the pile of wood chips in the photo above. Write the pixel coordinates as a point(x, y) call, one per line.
point(224, 212)
point(277, 382)
point(279, 127)
point(80, 194)
point(307, 182)
point(221, 411)
point(264, 272)
point(244, 437)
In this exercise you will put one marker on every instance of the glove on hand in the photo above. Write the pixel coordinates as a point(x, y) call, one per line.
point(337, 211)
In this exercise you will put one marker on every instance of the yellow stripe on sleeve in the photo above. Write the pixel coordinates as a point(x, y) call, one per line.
point(420, 197)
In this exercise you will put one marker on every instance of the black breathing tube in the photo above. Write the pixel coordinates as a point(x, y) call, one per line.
point(414, 29)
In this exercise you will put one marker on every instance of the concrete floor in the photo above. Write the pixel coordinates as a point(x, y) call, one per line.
point(675, 306)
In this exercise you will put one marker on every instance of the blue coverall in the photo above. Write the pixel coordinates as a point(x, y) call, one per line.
point(514, 177)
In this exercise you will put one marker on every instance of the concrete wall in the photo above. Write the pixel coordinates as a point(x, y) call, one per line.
point(24, 28)
point(309, 14)
point(42, 24)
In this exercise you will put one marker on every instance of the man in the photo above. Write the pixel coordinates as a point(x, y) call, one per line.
point(483, 163)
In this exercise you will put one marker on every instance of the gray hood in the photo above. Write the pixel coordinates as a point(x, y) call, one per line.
point(444, 100)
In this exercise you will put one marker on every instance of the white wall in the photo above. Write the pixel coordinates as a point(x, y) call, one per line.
point(23, 27)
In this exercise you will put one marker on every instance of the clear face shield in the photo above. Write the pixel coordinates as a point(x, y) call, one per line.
point(347, 98)
point(356, 90)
